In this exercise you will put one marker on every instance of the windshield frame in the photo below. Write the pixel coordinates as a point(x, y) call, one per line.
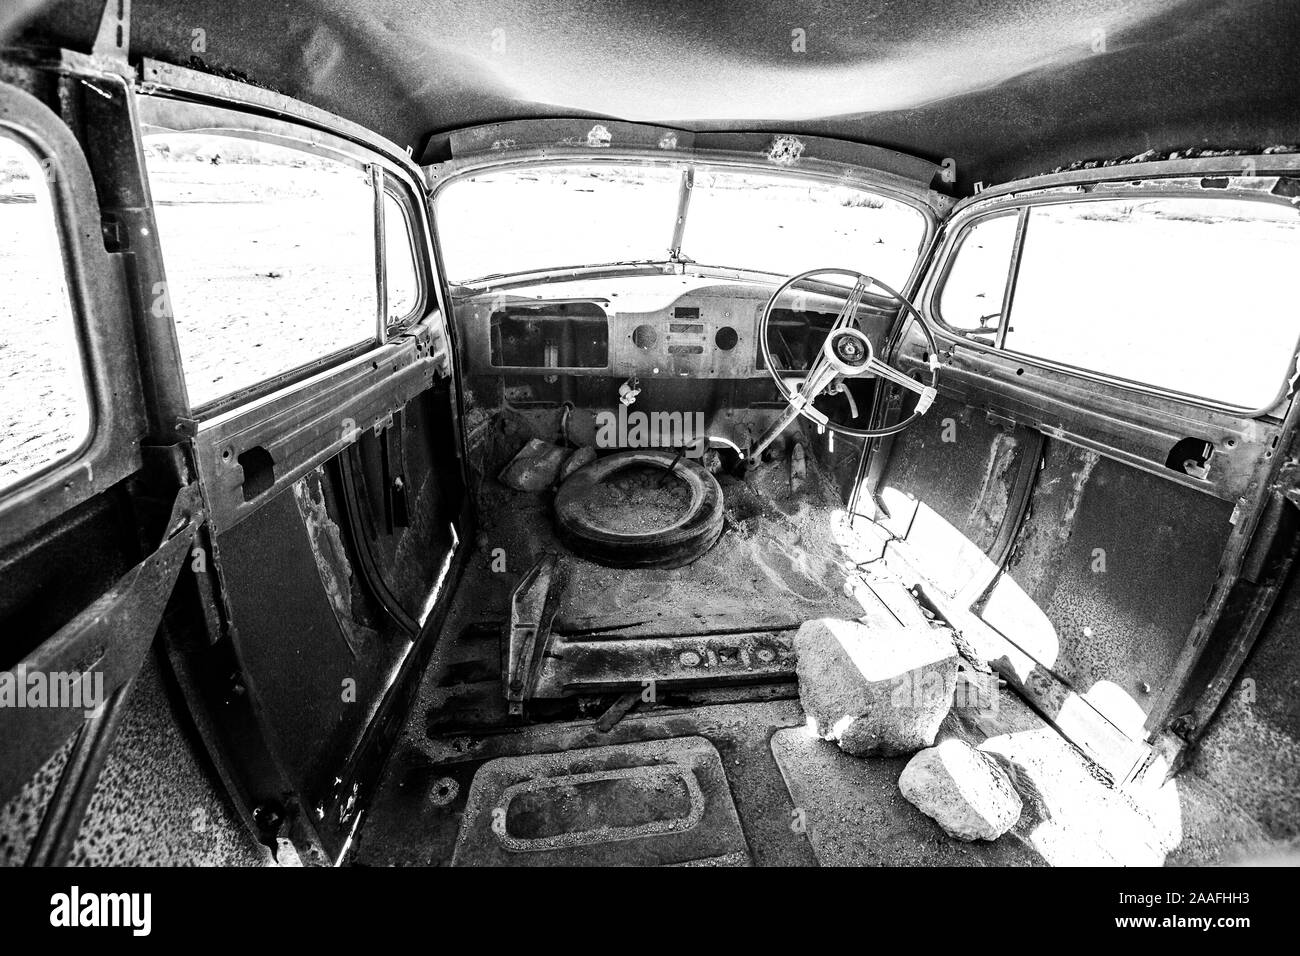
point(930, 205)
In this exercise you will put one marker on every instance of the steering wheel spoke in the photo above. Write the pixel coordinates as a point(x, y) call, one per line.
point(846, 353)
point(890, 374)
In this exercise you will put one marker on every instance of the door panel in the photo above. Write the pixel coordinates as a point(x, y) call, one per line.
point(1119, 563)
point(334, 485)
point(955, 492)
point(291, 642)
point(92, 540)
point(1135, 520)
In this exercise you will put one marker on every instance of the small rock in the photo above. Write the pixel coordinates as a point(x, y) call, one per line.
point(962, 790)
point(535, 467)
point(580, 458)
point(879, 689)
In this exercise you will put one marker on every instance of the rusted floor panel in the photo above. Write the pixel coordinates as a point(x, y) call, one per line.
point(415, 818)
point(655, 803)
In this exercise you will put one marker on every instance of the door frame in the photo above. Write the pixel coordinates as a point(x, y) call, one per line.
point(1136, 424)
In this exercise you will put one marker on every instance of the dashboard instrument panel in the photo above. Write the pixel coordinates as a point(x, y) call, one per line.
point(646, 326)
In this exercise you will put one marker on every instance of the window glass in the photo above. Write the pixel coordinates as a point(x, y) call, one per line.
point(46, 408)
point(971, 299)
point(270, 256)
point(1187, 294)
point(399, 261)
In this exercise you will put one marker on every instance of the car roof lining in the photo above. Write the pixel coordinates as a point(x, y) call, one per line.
point(1006, 89)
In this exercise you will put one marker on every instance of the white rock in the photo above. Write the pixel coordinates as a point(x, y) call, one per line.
point(879, 689)
point(963, 790)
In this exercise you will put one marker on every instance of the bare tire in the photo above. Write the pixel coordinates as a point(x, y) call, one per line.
point(677, 543)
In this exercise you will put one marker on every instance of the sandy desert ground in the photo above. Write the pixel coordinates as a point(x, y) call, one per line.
point(270, 259)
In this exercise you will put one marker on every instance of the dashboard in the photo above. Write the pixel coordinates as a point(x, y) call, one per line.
point(647, 326)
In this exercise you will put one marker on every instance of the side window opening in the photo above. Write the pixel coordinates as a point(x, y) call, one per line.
point(1189, 295)
point(47, 412)
point(402, 282)
point(270, 253)
point(1184, 294)
point(973, 290)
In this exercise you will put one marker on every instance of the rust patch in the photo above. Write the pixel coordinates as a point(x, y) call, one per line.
point(785, 150)
point(990, 506)
point(1087, 462)
point(328, 551)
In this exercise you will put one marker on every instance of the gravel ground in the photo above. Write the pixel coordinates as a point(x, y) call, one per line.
point(270, 261)
point(268, 268)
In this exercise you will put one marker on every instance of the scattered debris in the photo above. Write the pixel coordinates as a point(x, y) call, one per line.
point(444, 792)
point(1192, 152)
point(882, 689)
point(580, 458)
point(536, 467)
point(623, 511)
point(962, 790)
point(628, 391)
point(533, 604)
point(798, 468)
point(617, 711)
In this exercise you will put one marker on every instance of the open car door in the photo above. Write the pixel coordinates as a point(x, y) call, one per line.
point(98, 509)
point(259, 462)
point(1102, 500)
point(330, 468)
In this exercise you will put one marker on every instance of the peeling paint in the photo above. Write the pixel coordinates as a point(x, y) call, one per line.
point(599, 136)
point(785, 150)
point(989, 508)
point(504, 143)
point(1088, 461)
point(329, 553)
point(668, 141)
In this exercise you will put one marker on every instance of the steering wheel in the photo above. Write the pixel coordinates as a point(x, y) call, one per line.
point(846, 353)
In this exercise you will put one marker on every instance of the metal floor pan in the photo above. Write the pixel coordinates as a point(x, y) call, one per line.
point(657, 803)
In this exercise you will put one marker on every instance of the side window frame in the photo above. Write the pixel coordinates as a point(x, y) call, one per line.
point(420, 260)
point(105, 333)
point(950, 253)
point(179, 115)
point(1022, 205)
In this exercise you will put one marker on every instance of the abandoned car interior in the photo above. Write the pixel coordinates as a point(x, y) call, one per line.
point(726, 435)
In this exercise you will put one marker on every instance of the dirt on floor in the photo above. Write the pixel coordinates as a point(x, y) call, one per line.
point(638, 500)
point(785, 557)
point(777, 562)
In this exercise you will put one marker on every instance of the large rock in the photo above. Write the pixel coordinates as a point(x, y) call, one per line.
point(879, 689)
point(963, 790)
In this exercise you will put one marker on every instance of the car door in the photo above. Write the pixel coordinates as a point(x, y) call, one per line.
point(98, 506)
point(303, 290)
point(235, 438)
point(1100, 495)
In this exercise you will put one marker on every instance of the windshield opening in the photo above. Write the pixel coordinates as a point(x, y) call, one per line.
point(540, 218)
point(786, 225)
